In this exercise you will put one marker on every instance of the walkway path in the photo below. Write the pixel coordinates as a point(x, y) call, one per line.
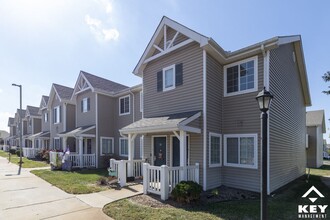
point(28, 197)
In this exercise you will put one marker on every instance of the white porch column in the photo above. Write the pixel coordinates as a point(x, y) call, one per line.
point(80, 151)
point(130, 153)
point(183, 154)
point(33, 144)
point(64, 141)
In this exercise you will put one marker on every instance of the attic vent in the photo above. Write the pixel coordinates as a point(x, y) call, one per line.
point(294, 56)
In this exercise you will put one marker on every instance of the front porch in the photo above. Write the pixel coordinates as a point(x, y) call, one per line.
point(77, 160)
point(166, 151)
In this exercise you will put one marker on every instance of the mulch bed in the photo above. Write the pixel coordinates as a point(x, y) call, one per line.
point(224, 194)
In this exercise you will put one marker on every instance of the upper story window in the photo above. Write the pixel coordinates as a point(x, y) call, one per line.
point(170, 77)
point(123, 147)
point(241, 77)
point(46, 117)
point(141, 101)
point(85, 105)
point(241, 150)
point(57, 114)
point(124, 103)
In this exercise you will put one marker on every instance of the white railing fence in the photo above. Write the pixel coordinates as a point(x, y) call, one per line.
point(162, 180)
point(125, 168)
point(30, 152)
point(84, 160)
point(5, 148)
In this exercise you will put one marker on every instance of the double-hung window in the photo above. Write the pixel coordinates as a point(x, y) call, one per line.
point(123, 147)
point(214, 150)
point(241, 77)
point(57, 114)
point(124, 103)
point(169, 78)
point(57, 144)
point(241, 150)
point(85, 105)
point(106, 145)
point(46, 117)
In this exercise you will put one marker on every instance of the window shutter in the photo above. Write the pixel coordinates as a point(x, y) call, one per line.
point(60, 119)
point(82, 105)
point(159, 81)
point(88, 104)
point(178, 75)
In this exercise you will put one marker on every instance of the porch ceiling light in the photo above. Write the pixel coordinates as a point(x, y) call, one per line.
point(264, 99)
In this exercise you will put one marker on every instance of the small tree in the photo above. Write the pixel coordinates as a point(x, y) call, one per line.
point(326, 78)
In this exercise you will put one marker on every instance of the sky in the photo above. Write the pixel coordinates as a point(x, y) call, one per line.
point(50, 41)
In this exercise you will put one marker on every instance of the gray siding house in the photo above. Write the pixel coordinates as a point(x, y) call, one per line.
point(61, 116)
point(200, 108)
point(44, 135)
point(20, 115)
point(315, 122)
point(33, 119)
point(102, 107)
point(12, 131)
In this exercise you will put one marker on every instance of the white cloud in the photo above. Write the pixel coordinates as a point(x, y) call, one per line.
point(1, 91)
point(99, 31)
point(107, 5)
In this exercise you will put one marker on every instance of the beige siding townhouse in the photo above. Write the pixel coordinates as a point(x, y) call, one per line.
point(200, 112)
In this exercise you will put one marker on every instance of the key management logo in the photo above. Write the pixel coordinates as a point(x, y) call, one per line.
point(312, 211)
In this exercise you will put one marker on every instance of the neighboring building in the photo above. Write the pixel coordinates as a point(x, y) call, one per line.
point(315, 123)
point(20, 115)
point(199, 107)
point(33, 119)
point(4, 135)
point(12, 132)
point(102, 107)
point(43, 136)
point(62, 116)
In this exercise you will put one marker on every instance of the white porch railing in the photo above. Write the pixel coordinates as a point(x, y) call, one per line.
point(162, 180)
point(121, 169)
point(30, 152)
point(5, 148)
point(85, 160)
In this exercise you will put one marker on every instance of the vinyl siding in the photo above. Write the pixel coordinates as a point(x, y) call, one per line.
point(214, 114)
point(55, 128)
point(241, 115)
point(287, 119)
point(70, 117)
point(45, 126)
point(86, 118)
point(36, 125)
point(187, 97)
point(311, 150)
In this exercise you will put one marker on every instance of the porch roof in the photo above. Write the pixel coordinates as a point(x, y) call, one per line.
point(173, 122)
point(44, 134)
point(79, 131)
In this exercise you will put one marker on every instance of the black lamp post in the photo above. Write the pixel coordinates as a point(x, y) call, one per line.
point(264, 99)
point(20, 128)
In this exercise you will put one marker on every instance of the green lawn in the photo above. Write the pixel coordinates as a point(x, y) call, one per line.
point(282, 205)
point(76, 182)
point(27, 163)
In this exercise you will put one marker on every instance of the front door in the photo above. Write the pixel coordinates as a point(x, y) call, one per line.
point(176, 151)
point(159, 151)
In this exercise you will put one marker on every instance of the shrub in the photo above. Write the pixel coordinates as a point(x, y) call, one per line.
point(103, 181)
point(12, 151)
point(18, 153)
point(187, 191)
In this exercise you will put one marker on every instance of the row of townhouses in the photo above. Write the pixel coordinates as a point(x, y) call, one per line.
point(195, 109)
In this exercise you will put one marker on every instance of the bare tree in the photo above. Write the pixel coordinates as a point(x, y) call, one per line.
point(326, 78)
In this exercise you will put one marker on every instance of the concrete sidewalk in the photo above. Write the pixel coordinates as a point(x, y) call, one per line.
point(29, 197)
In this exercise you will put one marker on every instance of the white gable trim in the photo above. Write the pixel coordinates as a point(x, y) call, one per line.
point(77, 88)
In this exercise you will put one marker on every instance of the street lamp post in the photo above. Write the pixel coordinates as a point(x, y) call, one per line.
point(264, 99)
point(21, 128)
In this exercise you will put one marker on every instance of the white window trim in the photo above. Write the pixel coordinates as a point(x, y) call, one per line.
point(255, 165)
point(59, 141)
point(239, 92)
point(120, 154)
point(46, 117)
point(168, 68)
point(85, 104)
point(141, 101)
point(112, 146)
point(58, 116)
point(211, 134)
point(129, 105)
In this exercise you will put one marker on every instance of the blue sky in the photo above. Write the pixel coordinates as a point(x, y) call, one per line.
point(50, 41)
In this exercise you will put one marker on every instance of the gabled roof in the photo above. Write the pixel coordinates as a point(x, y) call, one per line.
point(43, 103)
point(63, 93)
point(21, 113)
point(213, 48)
point(98, 84)
point(11, 121)
point(173, 122)
point(32, 111)
point(316, 118)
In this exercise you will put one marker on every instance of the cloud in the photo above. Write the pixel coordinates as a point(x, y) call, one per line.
point(100, 30)
point(1, 91)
